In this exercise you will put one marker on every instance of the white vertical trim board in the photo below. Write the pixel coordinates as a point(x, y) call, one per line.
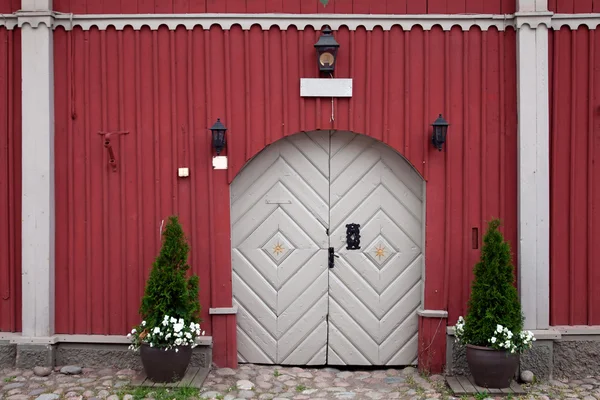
point(533, 168)
point(38, 177)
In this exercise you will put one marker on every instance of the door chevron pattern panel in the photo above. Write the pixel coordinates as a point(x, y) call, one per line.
point(280, 213)
point(374, 292)
point(288, 206)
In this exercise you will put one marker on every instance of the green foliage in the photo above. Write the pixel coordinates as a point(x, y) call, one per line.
point(168, 290)
point(494, 299)
point(324, 2)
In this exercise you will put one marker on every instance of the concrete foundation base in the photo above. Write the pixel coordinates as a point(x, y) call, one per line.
point(84, 355)
point(8, 354)
point(567, 357)
point(33, 355)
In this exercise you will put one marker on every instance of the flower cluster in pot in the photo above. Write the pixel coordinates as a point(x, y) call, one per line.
point(170, 334)
point(502, 338)
point(494, 318)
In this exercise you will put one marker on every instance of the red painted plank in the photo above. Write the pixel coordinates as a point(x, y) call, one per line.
point(582, 6)
point(475, 6)
point(416, 6)
point(596, 6)
point(552, 6)
point(437, 6)
point(456, 6)
point(565, 6)
point(220, 6)
point(197, 6)
point(396, 6)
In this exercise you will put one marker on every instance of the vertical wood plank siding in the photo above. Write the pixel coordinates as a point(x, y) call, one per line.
point(575, 176)
point(574, 6)
point(9, 6)
point(10, 180)
point(287, 6)
point(167, 88)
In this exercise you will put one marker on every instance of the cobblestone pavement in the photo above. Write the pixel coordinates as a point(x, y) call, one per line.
point(261, 383)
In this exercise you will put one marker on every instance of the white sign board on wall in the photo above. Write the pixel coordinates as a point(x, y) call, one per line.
point(326, 87)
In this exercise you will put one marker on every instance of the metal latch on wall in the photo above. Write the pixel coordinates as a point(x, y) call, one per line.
point(111, 154)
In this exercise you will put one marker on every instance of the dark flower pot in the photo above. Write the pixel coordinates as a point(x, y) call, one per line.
point(493, 369)
point(165, 366)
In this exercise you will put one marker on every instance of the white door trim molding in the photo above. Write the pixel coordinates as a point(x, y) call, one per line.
point(533, 168)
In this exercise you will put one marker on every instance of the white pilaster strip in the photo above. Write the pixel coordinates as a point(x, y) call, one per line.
point(38, 170)
point(534, 161)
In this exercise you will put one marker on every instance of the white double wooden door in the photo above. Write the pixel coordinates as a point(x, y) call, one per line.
point(292, 203)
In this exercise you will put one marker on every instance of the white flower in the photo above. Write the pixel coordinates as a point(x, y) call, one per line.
point(157, 330)
point(493, 339)
point(177, 327)
point(188, 335)
point(133, 331)
point(176, 350)
point(143, 323)
point(165, 322)
point(178, 341)
point(181, 321)
point(151, 344)
point(499, 328)
point(129, 336)
point(173, 320)
point(507, 344)
point(509, 335)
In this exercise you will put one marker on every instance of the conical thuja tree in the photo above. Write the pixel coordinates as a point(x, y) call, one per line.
point(494, 299)
point(169, 291)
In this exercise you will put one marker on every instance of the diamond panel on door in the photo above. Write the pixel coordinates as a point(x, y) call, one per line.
point(374, 291)
point(280, 213)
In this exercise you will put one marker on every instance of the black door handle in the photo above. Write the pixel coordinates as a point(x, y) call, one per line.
point(332, 256)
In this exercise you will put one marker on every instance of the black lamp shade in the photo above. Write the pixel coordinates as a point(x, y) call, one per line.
point(327, 49)
point(440, 129)
point(218, 136)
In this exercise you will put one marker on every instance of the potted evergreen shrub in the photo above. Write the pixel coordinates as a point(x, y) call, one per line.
point(170, 311)
point(493, 328)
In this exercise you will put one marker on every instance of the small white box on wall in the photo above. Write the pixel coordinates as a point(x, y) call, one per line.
point(326, 87)
point(220, 162)
point(183, 172)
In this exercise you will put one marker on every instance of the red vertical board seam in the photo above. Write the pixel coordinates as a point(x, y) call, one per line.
point(502, 172)
point(138, 145)
point(267, 88)
point(156, 133)
point(590, 185)
point(284, 87)
point(247, 94)
point(191, 143)
point(122, 172)
point(406, 95)
point(11, 267)
point(386, 85)
point(447, 168)
point(352, 69)
point(174, 130)
point(425, 162)
point(483, 143)
point(105, 194)
point(572, 178)
point(368, 86)
point(466, 166)
point(70, 187)
point(211, 189)
point(229, 95)
point(554, 156)
point(88, 178)
point(302, 118)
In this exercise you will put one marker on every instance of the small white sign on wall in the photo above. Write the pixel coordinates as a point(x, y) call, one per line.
point(220, 162)
point(326, 87)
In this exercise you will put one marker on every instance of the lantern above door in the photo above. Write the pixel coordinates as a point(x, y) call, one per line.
point(327, 49)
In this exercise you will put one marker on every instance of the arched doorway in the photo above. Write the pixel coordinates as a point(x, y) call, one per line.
point(291, 206)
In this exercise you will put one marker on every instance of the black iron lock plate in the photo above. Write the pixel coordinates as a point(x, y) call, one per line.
point(332, 257)
point(352, 236)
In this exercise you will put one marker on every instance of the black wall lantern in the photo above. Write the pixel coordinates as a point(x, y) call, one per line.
point(218, 136)
point(440, 129)
point(327, 49)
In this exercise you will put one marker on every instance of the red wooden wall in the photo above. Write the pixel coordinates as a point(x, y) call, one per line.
point(287, 6)
point(575, 176)
point(9, 6)
point(574, 6)
point(10, 180)
point(167, 87)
